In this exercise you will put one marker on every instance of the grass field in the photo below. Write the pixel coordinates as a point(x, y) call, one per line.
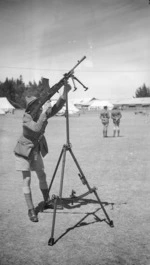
point(119, 168)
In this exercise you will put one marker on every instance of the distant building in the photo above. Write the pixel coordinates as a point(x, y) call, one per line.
point(133, 103)
point(83, 103)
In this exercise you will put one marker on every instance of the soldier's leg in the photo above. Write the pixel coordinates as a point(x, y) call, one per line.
point(106, 127)
point(114, 129)
point(39, 169)
point(105, 130)
point(118, 131)
point(44, 189)
point(28, 195)
point(43, 183)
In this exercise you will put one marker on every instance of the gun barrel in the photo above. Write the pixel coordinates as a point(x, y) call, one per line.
point(83, 58)
point(80, 61)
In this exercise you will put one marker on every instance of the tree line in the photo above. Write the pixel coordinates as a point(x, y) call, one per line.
point(142, 92)
point(16, 91)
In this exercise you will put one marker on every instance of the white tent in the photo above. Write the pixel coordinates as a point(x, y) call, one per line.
point(72, 110)
point(99, 104)
point(2, 112)
point(83, 103)
point(5, 105)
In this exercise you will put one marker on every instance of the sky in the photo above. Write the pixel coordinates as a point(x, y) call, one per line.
point(46, 38)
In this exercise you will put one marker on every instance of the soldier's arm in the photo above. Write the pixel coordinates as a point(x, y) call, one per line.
point(60, 103)
point(56, 108)
point(32, 125)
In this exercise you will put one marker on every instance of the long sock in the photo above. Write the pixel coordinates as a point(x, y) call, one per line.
point(114, 134)
point(28, 197)
point(103, 133)
point(45, 193)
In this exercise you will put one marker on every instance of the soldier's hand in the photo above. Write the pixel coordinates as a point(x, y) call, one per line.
point(47, 108)
point(67, 88)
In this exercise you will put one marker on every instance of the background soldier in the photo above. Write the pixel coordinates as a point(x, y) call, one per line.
point(116, 116)
point(104, 116)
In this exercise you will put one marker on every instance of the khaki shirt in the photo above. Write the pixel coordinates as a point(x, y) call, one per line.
point(33, 133)
point(116, 114)
point(104, 116)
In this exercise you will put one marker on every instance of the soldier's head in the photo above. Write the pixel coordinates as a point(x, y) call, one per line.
point(105, 107)
point(31, 103)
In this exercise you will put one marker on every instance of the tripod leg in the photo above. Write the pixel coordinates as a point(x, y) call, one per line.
point(80, 170)
point(62, 172)
point(51, 240)
point(110, 221)
point(89, 188)
point(56, 169)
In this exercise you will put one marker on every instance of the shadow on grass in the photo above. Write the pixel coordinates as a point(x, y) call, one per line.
point(82, 223)
point(68, 203)
point(111, 136)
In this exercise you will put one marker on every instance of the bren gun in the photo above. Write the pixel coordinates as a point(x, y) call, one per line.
point(54, 89)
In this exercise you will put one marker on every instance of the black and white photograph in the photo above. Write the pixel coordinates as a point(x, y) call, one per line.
point(75, 132)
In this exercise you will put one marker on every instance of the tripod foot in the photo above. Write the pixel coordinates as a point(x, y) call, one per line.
point(51, 241)
point(111, 223)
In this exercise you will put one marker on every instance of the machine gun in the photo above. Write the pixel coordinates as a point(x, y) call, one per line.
point(34, 108)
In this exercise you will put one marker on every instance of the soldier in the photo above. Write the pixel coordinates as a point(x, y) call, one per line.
point(32, 146)
point(116, 116)
point(104, 116)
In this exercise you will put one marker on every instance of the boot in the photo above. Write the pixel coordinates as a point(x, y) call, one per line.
point(32, 215)
point(31, 212)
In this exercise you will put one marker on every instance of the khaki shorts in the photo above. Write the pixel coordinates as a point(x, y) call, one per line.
point(105, 123)
point(35, 164)
point(116, 122)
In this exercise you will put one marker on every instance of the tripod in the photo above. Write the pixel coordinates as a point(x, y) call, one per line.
point(58, 200)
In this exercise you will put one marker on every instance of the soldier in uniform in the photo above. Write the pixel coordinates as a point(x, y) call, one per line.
point(32, 146)
point(116, 116)
point(104, 116)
